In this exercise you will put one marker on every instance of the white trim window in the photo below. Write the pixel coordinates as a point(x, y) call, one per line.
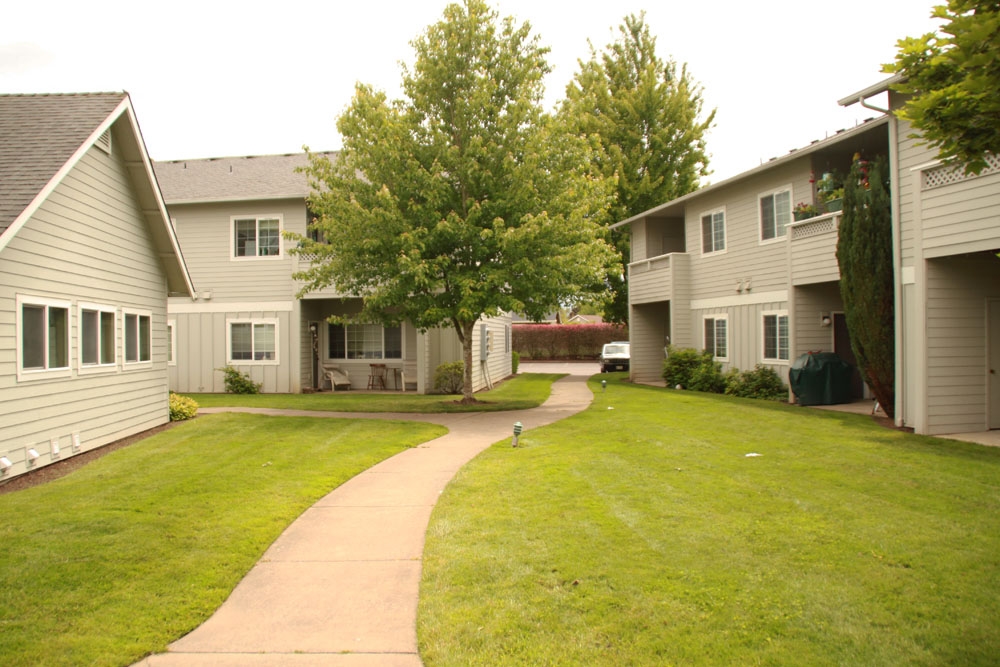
point(364, 341)
point(716, 329)
point(255, 236)
point(171, 342)
point(43, 327)
point(137, 337)
point(775, 209)
point(713, 232)
point(252, 342)
point(775, 336)
point(98, 347)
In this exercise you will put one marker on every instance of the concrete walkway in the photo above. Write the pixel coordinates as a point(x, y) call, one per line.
point(339, 587)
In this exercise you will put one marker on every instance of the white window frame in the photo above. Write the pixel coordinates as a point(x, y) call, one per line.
point(85, 368)
point(381, 351)
point(46, 372)
point(701, 232)
point(171, 342)
point(253, 321)
point(257, 220)
point(139, 362)
point(778, 314)
point(717, 317)
point(777, 238)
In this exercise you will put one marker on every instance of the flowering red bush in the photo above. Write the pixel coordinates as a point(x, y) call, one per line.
point(565, 341)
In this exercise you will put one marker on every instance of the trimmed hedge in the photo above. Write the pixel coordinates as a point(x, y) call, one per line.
point(565, 341)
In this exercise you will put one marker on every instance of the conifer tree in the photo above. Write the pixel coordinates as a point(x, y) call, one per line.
point(864, 253)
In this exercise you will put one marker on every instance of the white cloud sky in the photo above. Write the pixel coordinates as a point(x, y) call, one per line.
point(211, 78)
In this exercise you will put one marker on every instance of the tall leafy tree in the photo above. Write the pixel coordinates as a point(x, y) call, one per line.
point(458, 201)
point(864, 254)
point(646, 115)
point(953, 78)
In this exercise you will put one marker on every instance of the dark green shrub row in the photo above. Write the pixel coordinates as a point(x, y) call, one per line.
point(689, 369)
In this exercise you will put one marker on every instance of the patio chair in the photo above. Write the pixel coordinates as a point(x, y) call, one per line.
point(337, 377)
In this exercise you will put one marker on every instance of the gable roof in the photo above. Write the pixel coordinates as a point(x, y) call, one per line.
point(251, 177)
point(43, 137)
point(38, 135)
point(676, 206)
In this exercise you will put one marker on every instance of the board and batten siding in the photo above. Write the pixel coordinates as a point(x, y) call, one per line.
point(745, 332)
point(205, 234)
point(957, 292)
point(90, 243)
point(201, 343)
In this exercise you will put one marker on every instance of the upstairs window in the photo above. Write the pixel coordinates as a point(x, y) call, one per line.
point(43, 334)
point(713, 232)
point(364, 341)
point(717, 337)
point(775, 214)
point(256, 237)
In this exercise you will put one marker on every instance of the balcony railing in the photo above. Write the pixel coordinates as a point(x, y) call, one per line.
point(813, 249)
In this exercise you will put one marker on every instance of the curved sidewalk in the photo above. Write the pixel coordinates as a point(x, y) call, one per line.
point(339, 587)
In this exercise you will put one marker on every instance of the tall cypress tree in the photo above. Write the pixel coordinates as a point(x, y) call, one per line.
point(864, 253)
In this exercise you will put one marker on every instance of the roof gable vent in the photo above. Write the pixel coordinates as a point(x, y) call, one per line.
point(104, 141)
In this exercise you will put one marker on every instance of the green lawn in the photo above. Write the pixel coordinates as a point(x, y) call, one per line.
point(640, 533)
point(139, 547)
point(527, 390)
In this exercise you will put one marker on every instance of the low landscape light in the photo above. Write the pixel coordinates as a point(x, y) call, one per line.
point(518, 427)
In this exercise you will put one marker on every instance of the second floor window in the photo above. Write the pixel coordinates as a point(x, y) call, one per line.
point(713, 232)
point(775, 214)
point(256, 237)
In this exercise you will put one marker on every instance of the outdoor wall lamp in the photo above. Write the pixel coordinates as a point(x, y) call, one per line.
point(313, 328)
point(5, 465)
point(824, 320)
point(32, 456)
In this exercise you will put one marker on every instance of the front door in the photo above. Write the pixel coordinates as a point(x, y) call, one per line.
point(842, 347)
point(993, 334)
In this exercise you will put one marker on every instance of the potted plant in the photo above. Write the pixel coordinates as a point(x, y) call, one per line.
point(830, 192)
point(803, 211)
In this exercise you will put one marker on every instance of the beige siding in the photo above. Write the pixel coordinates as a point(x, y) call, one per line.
point(638, 232)
point(649, 325)
point(960, 216)
point(204, 231)
point(653, 279)
point(910, 154)
point(765, 264)
point(88, 243)
point(957, 290)
point(202, 350)
point(813, 251)
point(745, 334)
point(810, 303)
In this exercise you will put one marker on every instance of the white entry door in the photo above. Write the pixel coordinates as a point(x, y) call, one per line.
point(993, 332)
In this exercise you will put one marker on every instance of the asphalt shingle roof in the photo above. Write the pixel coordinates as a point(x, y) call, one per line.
point(38, 135)
point(232, 178)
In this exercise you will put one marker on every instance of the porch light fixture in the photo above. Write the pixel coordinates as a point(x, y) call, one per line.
point(824, 320)
point(313, 328)
point(32, 456)
point(5, 465)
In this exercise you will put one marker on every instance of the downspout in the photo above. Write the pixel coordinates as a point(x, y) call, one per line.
point(897, 256)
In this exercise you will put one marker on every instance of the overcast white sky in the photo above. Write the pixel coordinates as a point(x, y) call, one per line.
point(212, 79)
